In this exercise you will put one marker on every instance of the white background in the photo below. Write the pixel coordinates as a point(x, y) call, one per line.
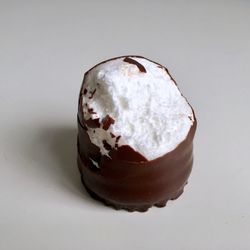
point(46, 46)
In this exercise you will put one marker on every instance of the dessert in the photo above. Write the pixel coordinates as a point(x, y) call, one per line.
point(135, 134)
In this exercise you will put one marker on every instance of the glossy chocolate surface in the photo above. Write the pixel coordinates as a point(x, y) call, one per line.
point(126, 180)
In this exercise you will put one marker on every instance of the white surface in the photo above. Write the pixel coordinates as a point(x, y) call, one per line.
point(149, 112)
point(44, 49)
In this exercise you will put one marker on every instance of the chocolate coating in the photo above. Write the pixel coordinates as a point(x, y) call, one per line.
point(132, 61)
point(126, 179)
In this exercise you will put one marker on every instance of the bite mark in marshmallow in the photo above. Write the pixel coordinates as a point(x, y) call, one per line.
point(134, 101)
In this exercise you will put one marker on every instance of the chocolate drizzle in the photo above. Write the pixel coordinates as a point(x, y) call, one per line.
point(107, 121)
point(132, 61)
point(92, 94)
point(85, 91)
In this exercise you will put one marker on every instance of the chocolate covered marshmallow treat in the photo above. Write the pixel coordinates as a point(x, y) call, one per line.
point(135, 134)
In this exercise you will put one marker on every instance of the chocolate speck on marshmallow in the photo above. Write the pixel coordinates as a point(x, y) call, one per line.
point(91, 111)
point(112, 135)
point(117, 138)
point(106, 145)
point(93, 123)
point(107, 121)
point(116, 141)
point(92, 94)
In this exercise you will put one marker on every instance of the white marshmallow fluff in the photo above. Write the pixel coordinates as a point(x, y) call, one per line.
point(149, 112)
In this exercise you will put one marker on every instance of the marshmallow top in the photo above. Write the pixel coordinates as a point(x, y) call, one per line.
point(137, 104)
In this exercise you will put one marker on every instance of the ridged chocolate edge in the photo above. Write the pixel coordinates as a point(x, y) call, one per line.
point(117, 206)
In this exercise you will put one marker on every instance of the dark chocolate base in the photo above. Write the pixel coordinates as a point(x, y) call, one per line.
point(129, 208)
